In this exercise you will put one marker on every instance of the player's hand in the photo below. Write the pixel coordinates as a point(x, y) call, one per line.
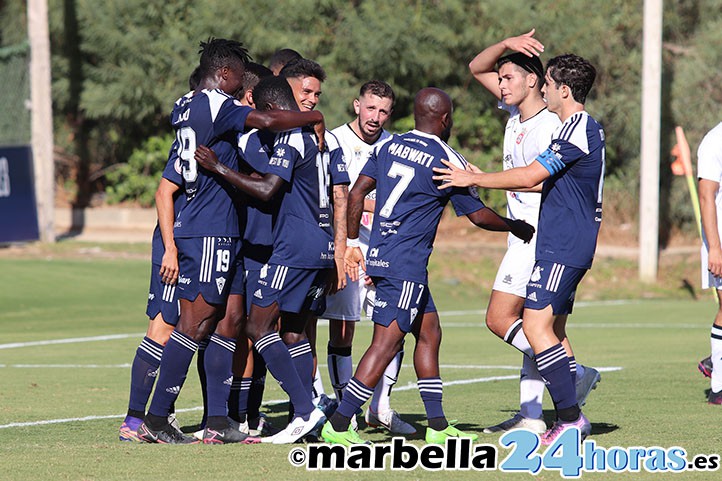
point(368, 281)
point(525, 44)
point(169, 267)
point(340, 283)
point(207, 158)
point(352, 260)
point(453, 176)
point(714, 262)
point(522, 230)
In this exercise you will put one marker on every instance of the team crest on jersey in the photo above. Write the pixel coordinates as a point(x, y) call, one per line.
point(280, 152)
point(264, 271)
point(414, 312)
point(220, 284)
point(536, 274)
point(237, 102)
point(520, 137)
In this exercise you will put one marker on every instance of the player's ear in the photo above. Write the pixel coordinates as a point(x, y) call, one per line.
point(249, 98)
point(356, 106)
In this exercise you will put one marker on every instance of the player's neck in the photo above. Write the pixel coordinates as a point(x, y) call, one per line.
point(531, 106)
point(569, 109)
point(357, 130)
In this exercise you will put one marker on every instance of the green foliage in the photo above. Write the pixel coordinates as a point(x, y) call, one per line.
point(137, 180)
point(136, 57)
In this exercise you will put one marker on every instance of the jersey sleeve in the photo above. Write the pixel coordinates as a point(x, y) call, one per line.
point(371, 166)
point(558, 155)
point(337, 165)
point(253, 151)
point(172, 170)
point(231, 117)
point(709, 156)
point(285, 155)
point(465, 200)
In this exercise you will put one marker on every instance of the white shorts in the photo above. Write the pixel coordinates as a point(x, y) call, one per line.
point(515, 268)
point(349, 303)
point(708, 280)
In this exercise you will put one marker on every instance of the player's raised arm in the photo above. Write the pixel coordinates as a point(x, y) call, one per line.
point(513, 179)
point(482, 66)
point(282, 120)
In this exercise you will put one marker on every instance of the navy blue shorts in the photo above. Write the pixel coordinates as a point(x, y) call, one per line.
point(238, 283)
point(162, 298)
point(206, 267)
point(400, 300)
point(294, 289)
point(555, 284)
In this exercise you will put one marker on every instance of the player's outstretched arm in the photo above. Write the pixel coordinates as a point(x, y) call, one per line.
point(164, 200)
point(482, 66)
point(488, 219)
point(263, 188)
point(282, 120)
point(513, 179)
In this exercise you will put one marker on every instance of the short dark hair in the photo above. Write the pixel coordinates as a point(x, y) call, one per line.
point(254, 72)
point(378, 88)
point(574, 72)
point(529, 64)
point(280, 58)
point(303, 67)
point(217, 53)
point(195, 78)
point(274, 90)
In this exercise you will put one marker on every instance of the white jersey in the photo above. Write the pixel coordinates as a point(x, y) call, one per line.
point(356, 152)
point(709, 167)
point(523, 142)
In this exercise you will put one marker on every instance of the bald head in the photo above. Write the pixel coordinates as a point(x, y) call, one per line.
point(432, 112)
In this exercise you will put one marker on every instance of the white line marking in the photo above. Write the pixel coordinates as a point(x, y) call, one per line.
point(407, 387)
point(71, 340)
point(323, 322)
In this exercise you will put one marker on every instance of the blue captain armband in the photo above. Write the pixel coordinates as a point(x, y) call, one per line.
point(550, 161)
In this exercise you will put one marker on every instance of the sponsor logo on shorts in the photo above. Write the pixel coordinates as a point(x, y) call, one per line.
point(184, 280)
point(258, 294)
point(380, 304)
point(532, 296)
point(536, 274)
point(220, 284)
point(264, 271)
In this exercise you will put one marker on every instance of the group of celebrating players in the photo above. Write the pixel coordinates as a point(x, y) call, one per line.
point(267, 221)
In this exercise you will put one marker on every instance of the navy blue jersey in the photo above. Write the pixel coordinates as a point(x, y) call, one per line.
point(212, 118)
point(409, 203)
point(303, 231)
point(255, 148)
point(571, 204)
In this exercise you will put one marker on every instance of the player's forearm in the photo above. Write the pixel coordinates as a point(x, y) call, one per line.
point(164, 203)
point(340, 206)
point(485, 60)
point(281, 120)
point(353, 213)
point(262, 188)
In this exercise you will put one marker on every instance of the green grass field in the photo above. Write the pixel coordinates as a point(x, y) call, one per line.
point(61, 403)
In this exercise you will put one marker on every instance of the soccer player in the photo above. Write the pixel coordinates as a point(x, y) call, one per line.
point(408, 210)
point(294, 281)
point(305, 77)
point(281, 57)
point(572, 169)
point(709, 172)
point(516, 83)
point(163, 310)
point(358, 138)
point(206, 233)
